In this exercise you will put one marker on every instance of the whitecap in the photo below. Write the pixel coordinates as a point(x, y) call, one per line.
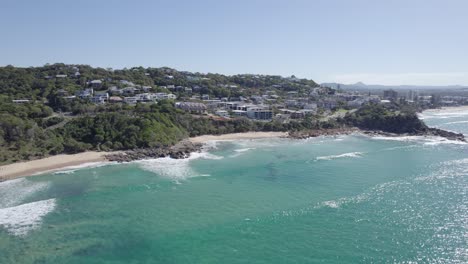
point(88, 165)
point(426, 140)
point(243, 150)
point(20, 220)
point(344, 155)
point(176, 169)
point(13, 192)
point(455, 122)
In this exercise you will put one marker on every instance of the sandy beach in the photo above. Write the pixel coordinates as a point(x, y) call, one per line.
point(54, 163)
point(27, 168)
point(235, 136)
point(450, 108)
point(456, 108)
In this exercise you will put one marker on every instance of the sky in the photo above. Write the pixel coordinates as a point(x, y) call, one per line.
point(413, 42)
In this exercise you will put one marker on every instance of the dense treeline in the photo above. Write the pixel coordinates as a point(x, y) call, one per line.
point(30, 131)
point(33, 130)
point(42, 83)
point(378, 117)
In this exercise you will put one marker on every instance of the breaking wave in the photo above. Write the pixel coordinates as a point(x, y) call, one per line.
point(344, 155)
point(72, 169)
point(13, 192)
point(455, 122)
point(20, 220)
point(426, 140)
point(176, 169)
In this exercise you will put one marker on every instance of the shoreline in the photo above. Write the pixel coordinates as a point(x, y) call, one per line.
point(49, 164)
point(448, 108)
point(62, 161)
point(238, 136)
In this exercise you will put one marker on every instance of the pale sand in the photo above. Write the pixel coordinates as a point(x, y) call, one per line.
point(53, 163)
point(460, 108)
point(235, 136)
point(455, 108)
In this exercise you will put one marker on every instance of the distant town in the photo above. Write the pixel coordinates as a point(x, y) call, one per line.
point(266, 102)
point(59, 108)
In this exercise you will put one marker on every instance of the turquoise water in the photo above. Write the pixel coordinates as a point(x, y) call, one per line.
point(346, 199)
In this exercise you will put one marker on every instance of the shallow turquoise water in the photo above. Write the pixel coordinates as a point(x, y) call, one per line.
point(347, 199)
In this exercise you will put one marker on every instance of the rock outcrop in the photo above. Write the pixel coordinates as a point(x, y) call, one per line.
point(179, 151)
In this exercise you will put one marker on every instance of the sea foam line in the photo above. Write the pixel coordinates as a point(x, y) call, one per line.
point(176, 169)
point(344, 155)
point(426, 140)
point(88, 165)
point(20, 220)
point(13, 192)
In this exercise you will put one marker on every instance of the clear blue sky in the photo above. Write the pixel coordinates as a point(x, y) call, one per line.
point(374, 41)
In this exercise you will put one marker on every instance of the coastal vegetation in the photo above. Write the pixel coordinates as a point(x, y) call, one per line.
point(38, 119)
point(378, 117)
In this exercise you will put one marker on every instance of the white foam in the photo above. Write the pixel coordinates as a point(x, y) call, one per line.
point(243, 150)
point(176, 169)
point(344, 155)
point(72, 169)
point(22, 219)
point(13, 192)
point(455, 122)
point(426, 140)
point(444, 114)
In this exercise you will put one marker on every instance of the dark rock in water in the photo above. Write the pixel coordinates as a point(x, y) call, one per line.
point(303, 134)
point(446, 134)
point(181, 150)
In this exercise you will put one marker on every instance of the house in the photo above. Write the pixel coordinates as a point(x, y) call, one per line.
point(222, 113)
point(259, 113)
point(95, 83)
point(297, 114)
point(328, 104)
point(126, 83)
point(146, 88)
point(114, 90)
point(100, 98)
point(60, 76)
point(146, 97)
point(257, 99)
point(239, 113)
point(115, 99)
point(310, 106)
point(291, 103)
point(191, 107)
point(130, 90)
point(130, 100)
point(86, 93)
point(164, 96)
point(292, 94)
point(77, 74)
point(356, 103)
point(62, 92)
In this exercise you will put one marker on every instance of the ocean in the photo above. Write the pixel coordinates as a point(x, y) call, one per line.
point(341, 199)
